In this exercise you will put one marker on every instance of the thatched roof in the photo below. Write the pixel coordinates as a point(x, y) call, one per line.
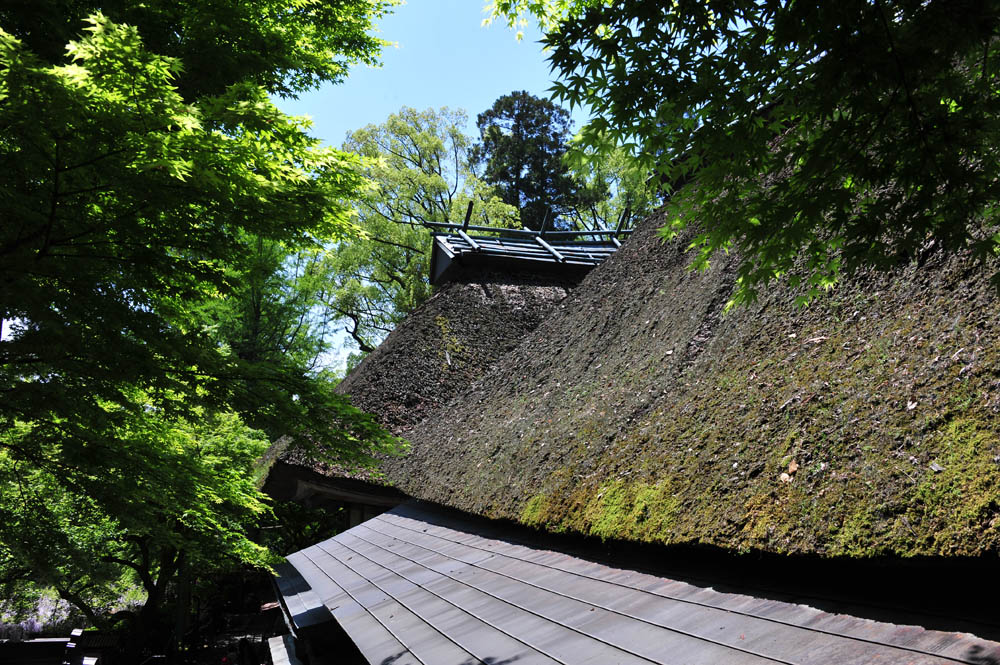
point(865, 424)
point(454, 338)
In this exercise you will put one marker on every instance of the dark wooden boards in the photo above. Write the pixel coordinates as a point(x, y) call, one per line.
point(416, 586)
point(453, 253)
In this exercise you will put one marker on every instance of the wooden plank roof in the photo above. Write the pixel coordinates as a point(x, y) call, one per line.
point(415, 585)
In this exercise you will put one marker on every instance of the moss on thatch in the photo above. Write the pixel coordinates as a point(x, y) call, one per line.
point(865, 424)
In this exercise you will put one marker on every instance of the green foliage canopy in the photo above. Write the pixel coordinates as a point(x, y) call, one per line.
point(629, 193)
point(146, 214)
point(419, 166)
point(126, 206)
point(817, 137)
point(169, 494)
point(283, 46)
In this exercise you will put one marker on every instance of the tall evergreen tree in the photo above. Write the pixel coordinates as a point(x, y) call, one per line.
point(522, 141)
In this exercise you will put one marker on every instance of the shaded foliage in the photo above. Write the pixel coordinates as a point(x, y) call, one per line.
point(819, 138)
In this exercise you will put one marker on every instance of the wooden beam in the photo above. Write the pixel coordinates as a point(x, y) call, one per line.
point(472, 243)
point(468, 216)
point(552, 250)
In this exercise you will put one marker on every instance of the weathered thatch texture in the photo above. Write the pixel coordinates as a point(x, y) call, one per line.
point(446, 344)
point(437, 352)
point(865, 424)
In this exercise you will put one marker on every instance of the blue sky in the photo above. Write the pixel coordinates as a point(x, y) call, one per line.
point(442, 57)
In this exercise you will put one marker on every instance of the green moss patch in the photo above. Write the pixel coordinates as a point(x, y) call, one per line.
point(535, 510)
point(636, 511)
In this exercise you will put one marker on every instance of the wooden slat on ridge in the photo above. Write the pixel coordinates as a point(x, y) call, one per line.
point(421, 587)
point(529, 253)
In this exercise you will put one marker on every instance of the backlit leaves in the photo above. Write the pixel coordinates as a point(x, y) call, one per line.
point(138, 185)
point(419, 169)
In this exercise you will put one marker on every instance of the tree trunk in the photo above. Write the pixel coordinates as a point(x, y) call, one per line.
point(81, 605)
